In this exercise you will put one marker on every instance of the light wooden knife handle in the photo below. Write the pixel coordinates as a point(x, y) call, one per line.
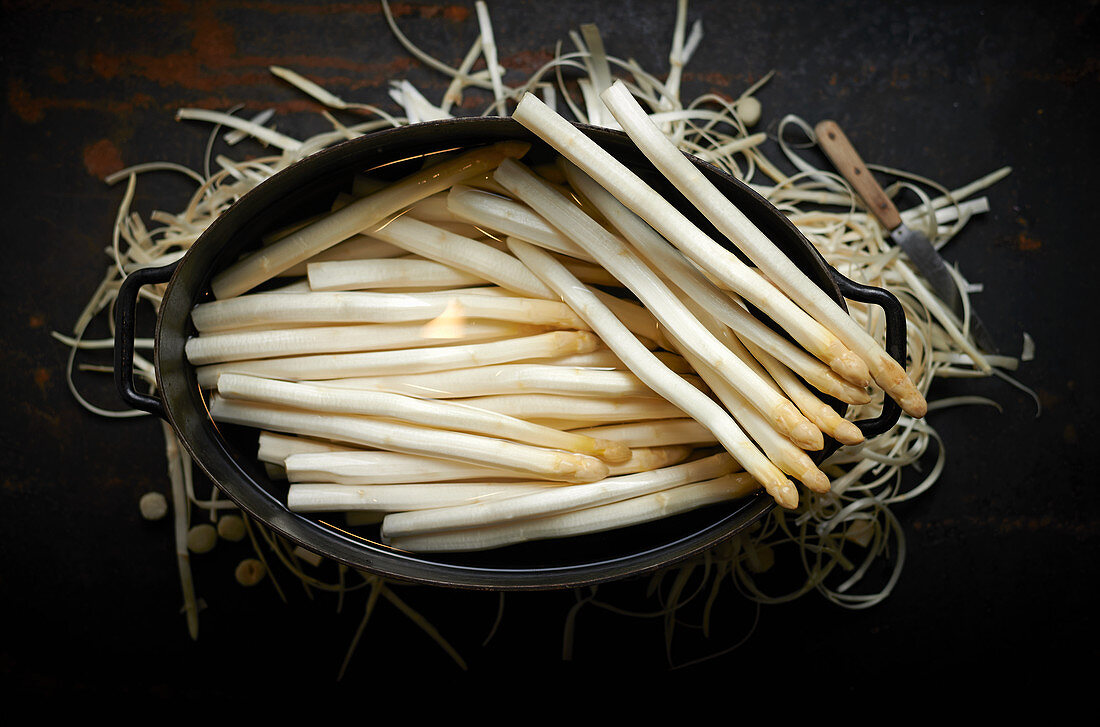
point(848, 162)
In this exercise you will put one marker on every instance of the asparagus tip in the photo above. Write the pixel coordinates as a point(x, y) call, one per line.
point(815, 480)
point(807, 436)
point(612, 451)
point(785, 494)
point(588, 469)
point(851, 368)
point(846, 432)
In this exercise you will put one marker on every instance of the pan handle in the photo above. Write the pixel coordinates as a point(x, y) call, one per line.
point(895, 344)
point(125, 333)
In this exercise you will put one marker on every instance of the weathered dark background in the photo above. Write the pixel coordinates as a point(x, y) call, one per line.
point(1001, 564)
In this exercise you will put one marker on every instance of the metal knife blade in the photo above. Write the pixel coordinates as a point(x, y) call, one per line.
point(915, 244)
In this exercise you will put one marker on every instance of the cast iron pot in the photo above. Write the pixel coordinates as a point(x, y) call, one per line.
point(227, 454)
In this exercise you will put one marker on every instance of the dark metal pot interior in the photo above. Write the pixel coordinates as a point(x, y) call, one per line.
point(227, 454)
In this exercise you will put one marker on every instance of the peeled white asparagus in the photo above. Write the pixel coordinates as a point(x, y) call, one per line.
point(586, 272)
point(356, 247)
point(240, 345)
point(600, 518)
point(616, 255)
point(464, 253)
point(433, 209)
point(387, 273)
point(380, 468)
point(576, 408)
point(556, 500)
point(778, 448)
point(604, 358)
point(538, 462)
point(410, 360)
point(275, 448)
point(571, 143)
point(665, 258)
point(365, 467)
point(654, 433)
point(636, 317)
point(325, 497)
point(510, 218)
point(827, 419)
point(356, 217)
point(427, 412)
point(371, 307)
point(656, 375)
point(508, 378)
point(731, 222)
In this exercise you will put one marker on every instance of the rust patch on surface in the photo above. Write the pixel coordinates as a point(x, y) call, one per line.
point(454, 13)
point(1028, 243)
point(102, 158)
point(41, 377)
point(25, 106)
point(1069, 76)
point(526, 62)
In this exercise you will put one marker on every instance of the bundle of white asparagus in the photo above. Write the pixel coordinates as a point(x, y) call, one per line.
point(486, 352)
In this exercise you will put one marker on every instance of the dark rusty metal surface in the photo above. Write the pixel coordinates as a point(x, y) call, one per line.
point(1001, 555)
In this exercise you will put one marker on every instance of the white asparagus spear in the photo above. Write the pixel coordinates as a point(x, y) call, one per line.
point(636, 317)
point(778, 448)
point(326, 497)
point(448, 415)
point(387, 273)
point(240, 345)
point(577, 408)
point(656, 375)
point(411, 360)
point(510, 218)
point(537, 462)
point(309, 496)
point(379, 468)
point(464, 253)
point(827, 419)
point(275, 448)
point(601, 518)
point(356, 217)
point(356, 247)
point(556, 500)
point(358, 467)
point(733, 223)
point(571, 143)
point(604, 358)
point(614, 254)
point(370, 307)
point(654, 433)
point(506, 379)
point(671, 262)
